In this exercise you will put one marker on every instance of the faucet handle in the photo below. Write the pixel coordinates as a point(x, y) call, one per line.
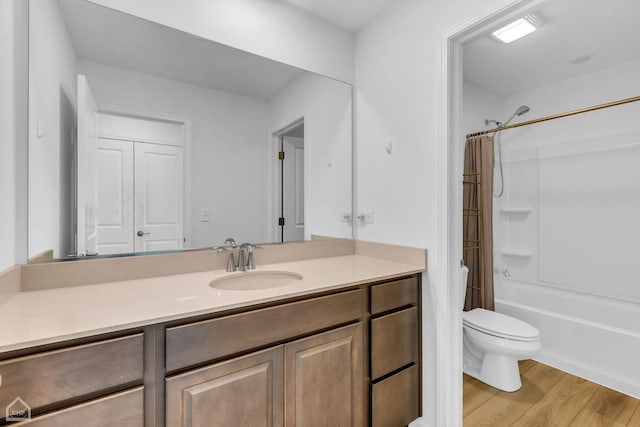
point(250, 247)
point(231, 242)
point(231, 264)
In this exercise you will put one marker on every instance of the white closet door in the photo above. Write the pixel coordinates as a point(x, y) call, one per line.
point(293, 188)
point(158, 197)
point(86, 229)
point(115, 197)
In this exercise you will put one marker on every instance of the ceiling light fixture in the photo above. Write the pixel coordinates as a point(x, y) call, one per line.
point(517, 29)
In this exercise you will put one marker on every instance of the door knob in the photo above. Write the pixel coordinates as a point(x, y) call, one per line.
point(142, 233)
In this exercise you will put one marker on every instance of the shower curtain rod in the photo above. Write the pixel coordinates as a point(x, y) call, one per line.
point(557, 116)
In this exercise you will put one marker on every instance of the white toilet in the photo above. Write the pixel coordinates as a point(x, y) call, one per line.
point(493, 343)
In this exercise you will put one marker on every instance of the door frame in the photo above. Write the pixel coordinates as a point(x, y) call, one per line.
point(275, 196)
point(447, 288)
point(134, 112)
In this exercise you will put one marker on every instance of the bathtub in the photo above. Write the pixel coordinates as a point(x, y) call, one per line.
point(589, 336)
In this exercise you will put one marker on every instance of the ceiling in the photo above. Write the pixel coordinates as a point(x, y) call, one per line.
point(607, 32)
point(351, 15)
point(106, 36)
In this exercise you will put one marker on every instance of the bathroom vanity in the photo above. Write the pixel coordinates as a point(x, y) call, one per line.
point(339, 351)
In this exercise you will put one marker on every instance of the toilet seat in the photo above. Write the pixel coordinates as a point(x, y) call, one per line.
point(499, 325)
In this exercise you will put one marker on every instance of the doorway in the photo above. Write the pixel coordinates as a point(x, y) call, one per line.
point(290, 191)
point(130, 176)
point(139, 203)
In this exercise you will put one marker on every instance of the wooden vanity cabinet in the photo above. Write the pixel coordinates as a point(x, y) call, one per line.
point(345, 358)
point(316, 380)
point(395, 352)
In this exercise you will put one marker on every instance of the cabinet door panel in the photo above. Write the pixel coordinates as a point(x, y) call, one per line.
point(324, 379)
point(246, 391)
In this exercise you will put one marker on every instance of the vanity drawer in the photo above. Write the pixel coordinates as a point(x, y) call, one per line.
point(123, 410)
point(56, 376)
point(200, 342)
point(394, 341)
point(399, 293)
point(395, 401)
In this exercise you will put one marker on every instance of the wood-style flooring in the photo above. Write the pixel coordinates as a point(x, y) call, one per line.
point(548, 398)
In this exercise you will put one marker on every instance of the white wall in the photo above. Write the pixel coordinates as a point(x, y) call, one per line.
point(52, 98)
point(397, 87)
point(7, 139)
point(580, 178)
point(228, 148)
point(325, 105)
point(271, 29)
point(479, 105)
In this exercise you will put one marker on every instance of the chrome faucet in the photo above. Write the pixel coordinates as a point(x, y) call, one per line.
point(249, 264)
point(231, 264)
point(241, 265)
point(229, 245)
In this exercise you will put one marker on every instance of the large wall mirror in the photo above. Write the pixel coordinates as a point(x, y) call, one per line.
point(144, 138)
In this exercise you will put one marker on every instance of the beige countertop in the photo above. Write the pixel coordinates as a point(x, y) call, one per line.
point(42, 317)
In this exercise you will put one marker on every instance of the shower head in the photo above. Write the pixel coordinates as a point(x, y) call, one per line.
point(523, 109)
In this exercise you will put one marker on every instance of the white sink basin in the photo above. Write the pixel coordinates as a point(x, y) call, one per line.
point(254, 280)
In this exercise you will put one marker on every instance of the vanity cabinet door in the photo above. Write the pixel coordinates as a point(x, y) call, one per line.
point(324, 379)
point(246, 391)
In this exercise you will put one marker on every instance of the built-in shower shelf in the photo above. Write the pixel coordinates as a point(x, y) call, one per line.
point(517, 253)
point(516, 212)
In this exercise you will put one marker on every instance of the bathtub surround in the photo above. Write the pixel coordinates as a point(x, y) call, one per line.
point(564, 228)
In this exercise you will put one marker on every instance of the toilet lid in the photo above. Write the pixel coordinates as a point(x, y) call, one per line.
point(499, 325)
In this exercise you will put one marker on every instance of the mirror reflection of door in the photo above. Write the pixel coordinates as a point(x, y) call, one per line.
point(135, 184)
point(292, 184)
point(140, 186)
